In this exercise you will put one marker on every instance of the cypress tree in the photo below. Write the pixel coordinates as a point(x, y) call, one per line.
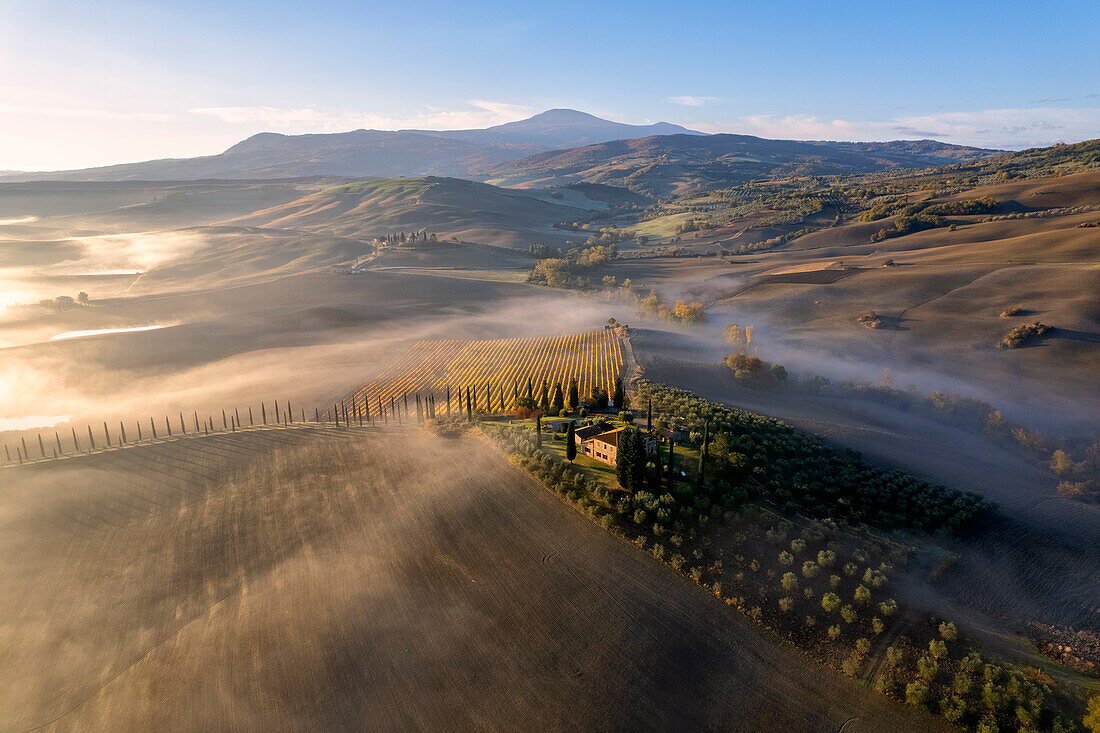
point(619, 396)
point(168, 426)
point(237, 416)
point(559, 400)
point(153, 425)
point(538, 430)
point(91, 439)
point(263, 413)
point(574, 397)
point(76, 443)
point(626, 459)
point(529, 395)
point(42, 446)
point(106, 434)
point(57, 438)
point(703, 451)
point(225, 421)
point(515, 392)
point(250, 421)
point(121, 430)
point(649, 416)
point(571, 442)
point(469, 407)
point(448, 400)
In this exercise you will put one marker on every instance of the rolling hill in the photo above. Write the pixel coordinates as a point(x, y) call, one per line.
point(666, 164)
point(445, 206)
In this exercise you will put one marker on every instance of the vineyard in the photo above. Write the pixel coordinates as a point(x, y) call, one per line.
point(497, 372)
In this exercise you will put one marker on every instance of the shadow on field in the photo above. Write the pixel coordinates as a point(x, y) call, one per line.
point(328, 580)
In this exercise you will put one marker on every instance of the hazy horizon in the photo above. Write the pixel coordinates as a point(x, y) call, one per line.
point(130, 82)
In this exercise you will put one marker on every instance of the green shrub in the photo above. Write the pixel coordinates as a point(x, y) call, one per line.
point(928, 668)
point(830, 602)
point(916, 694)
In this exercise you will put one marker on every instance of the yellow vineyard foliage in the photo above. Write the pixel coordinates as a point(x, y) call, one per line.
point(501, 366)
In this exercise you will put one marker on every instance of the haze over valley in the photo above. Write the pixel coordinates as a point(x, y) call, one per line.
point(520, 417)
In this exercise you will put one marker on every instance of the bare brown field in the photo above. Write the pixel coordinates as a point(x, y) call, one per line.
point(345, 579)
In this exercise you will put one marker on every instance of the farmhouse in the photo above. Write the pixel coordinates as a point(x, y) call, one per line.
point(604, 446)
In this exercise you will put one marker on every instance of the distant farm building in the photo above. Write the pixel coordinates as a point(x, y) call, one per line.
point(604, 446)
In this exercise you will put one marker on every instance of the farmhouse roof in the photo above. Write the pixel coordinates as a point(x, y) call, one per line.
point(591, 431)
point(611, 437)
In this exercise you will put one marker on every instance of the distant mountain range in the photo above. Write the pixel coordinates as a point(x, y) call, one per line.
point(666, 164)
point(557, 146)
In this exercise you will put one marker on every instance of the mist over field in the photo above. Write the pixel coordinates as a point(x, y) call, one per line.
point(352, 379)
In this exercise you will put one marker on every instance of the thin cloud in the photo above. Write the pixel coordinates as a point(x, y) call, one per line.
point(1000, 128)
point(688, 100)
point(474, 113)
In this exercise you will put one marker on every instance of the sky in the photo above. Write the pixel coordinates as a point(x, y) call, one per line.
point(84, 84)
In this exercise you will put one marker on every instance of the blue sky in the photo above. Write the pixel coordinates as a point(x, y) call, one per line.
point(96, 83)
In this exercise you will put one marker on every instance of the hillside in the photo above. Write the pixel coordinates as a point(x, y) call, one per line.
point(360, 153)
point(668, 164)
point(444, 206)
point(559, 128)
point(324, 580)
